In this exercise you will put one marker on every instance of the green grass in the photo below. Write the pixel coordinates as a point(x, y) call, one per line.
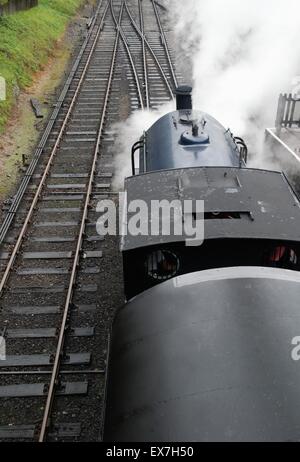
point(26, 42)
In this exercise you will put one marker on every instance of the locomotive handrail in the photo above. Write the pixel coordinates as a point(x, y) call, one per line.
point(242, 149)
point(135, 147)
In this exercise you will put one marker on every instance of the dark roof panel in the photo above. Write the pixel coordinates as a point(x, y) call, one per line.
point(271, 209)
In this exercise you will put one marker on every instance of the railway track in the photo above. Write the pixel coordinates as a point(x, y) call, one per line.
point(60, 282)
point(157, 67)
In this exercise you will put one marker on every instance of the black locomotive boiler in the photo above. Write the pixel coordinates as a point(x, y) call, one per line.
point(204, 348)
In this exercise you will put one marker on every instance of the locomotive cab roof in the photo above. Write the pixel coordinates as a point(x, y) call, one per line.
point(263, 202)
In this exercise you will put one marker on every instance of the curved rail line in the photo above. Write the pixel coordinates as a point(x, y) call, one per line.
point(165, 43)
point(119, 27)
point(147, 95)
point(143, 38)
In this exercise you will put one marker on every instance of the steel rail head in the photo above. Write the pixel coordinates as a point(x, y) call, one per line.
point(72, 281)
point(165, 43)
point(143, 36)
point(147, 95)
point(49, 163)
point(108, 349)
point(134, 71)
point(63, 372)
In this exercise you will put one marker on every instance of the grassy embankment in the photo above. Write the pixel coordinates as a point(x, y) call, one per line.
point(26, 40)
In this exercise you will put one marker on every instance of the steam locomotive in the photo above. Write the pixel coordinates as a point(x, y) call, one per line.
point(204, 348)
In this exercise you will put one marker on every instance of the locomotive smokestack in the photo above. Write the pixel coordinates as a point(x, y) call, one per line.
point(183, 97)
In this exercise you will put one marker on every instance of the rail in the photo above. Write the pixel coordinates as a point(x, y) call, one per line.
point(165, 44)
point(79, 240)
point(134, 71)
point(143, 37)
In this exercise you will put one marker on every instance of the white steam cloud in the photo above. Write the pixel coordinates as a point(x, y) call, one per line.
point(242, 55)
point(128, 133)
